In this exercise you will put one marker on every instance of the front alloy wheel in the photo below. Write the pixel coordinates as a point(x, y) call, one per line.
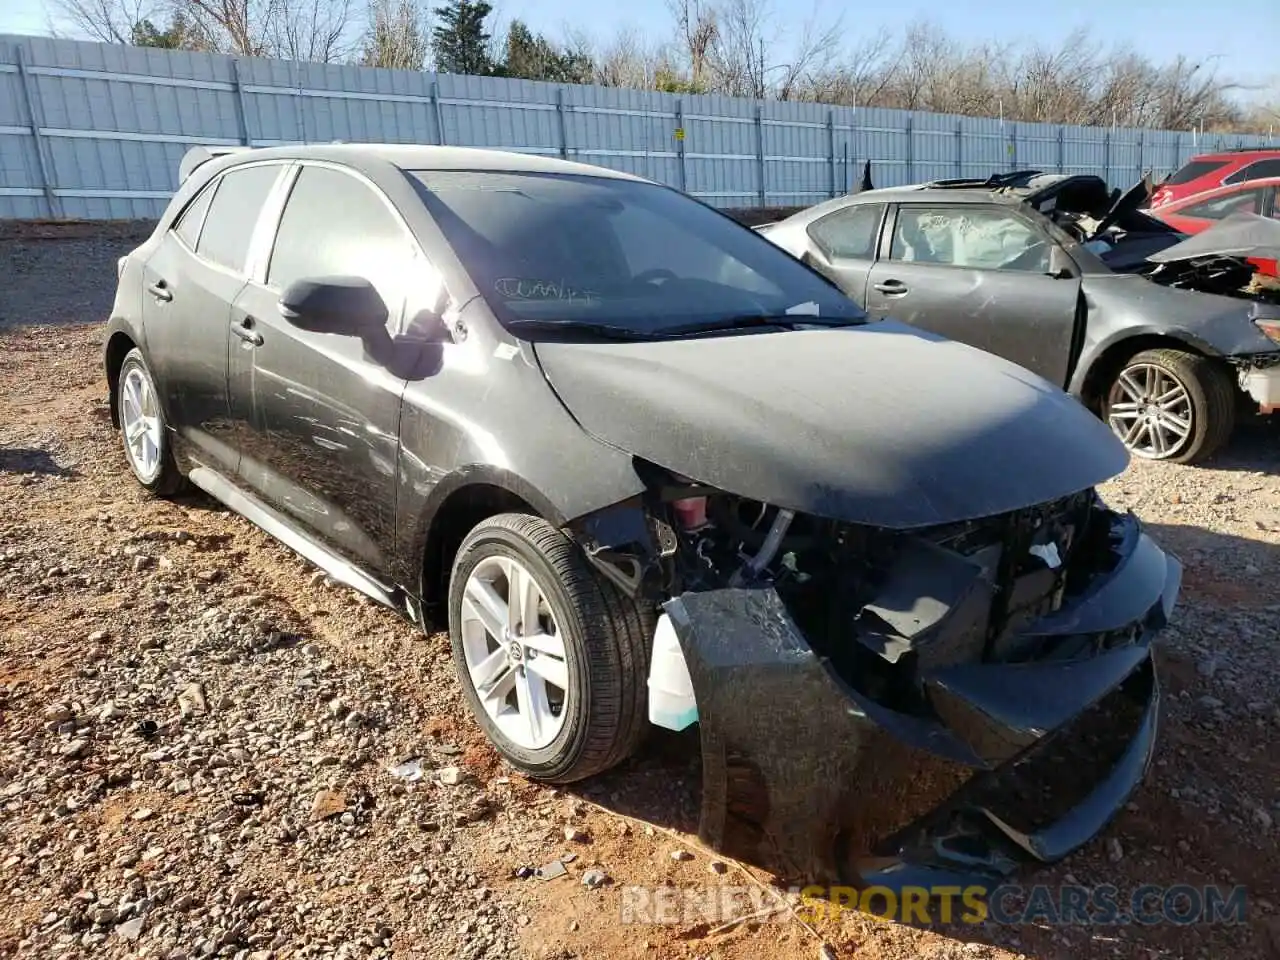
point(514, 655)
point(1172, 405)
point(552, 656)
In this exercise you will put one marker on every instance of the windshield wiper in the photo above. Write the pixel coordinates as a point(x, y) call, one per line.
point(603, 331)
point(748, 321)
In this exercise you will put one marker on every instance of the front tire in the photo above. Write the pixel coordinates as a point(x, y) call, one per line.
point(552, 657)
point(143, 429)
point(1172, 405)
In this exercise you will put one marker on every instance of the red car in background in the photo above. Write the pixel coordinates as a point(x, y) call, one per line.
point(1212, 186)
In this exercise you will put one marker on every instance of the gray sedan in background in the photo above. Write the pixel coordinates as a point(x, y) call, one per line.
point(1168, 339)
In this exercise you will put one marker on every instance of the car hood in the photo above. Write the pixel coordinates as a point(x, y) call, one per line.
point(1239, 235)
point(881, 424)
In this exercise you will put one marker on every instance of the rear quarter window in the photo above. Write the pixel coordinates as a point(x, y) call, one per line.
point(849, 233)
point(191, 219)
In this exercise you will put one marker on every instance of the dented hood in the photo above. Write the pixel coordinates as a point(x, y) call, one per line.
point(1239, 235)
point(881, 424)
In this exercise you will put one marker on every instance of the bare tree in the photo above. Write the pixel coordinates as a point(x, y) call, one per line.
point(398, 35)
point(316, 31)
point(235, 26)
point(815, 52)
point(697, 30)
point(111, 21)
point(860, 76)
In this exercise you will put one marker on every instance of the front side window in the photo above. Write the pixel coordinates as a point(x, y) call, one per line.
point(336, 225)
point(849, 233)
point(1242, 201)
point(630, 255)
point(233, 214)
point(980, 238)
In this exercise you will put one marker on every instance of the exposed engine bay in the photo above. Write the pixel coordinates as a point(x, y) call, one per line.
point(1226, 276)
point(872, 600)
point(939, 679)
point(1113, 225)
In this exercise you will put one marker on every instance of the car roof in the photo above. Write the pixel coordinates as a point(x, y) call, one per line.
point(924, 192)
point(423, 157)
point(1244, 154)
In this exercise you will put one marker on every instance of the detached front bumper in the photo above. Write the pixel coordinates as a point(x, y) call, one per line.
point(1018, 763)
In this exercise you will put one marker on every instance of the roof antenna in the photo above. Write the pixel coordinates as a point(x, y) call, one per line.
point(866, 178)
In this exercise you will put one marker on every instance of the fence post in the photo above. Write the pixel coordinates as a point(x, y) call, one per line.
point(300, 116)
point(911, 148)
point(848, 187)
point(564, 130)
point(237, 88)
point(439, 115)
point(1106, 156)
point(831, 152)
point(46, 184)
point(1141, 152)
point(763, 193)
point(1062, 149)
point(959, 149)
point(680, 135)
point(1013, 146)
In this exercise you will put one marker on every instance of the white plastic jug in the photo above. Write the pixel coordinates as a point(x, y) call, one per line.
point(671, 701)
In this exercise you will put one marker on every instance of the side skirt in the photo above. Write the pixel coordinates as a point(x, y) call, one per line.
point(271, 522)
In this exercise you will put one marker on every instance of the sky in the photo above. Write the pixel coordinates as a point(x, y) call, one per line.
point(1244, 49)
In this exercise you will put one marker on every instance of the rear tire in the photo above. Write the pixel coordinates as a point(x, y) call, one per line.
point(143, 428)
point(604, 636)
point(1171, 405)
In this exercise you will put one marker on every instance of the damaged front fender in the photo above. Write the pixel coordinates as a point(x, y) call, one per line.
point(807, 775)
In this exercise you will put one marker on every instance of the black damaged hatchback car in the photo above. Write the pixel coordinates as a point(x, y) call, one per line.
point(649, 468)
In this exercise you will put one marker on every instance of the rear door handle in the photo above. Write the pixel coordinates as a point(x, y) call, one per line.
point(891, 287)
point(244, 330)
point(160, 290)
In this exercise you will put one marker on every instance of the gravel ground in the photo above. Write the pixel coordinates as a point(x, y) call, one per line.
point(198, 730)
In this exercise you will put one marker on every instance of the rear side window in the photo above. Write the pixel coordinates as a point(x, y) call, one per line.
point(1242, 201)
point(1258, 170)
point(1194, 170)
point(192, 218)
point(849, 233)
point(335, 224)
point(233, 214)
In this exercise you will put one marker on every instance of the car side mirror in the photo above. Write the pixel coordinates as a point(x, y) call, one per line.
point(1061, 266)
point(349, 306)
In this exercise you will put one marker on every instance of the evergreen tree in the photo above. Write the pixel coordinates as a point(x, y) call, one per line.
point(460, 40)
point(531, 56)
point(180, 35)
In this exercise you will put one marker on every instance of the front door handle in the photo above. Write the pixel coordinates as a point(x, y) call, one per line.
point(160, 290)
point(244, 330)
point(894, 288)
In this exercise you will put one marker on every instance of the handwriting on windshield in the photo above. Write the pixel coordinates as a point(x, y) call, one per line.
point(520, 288)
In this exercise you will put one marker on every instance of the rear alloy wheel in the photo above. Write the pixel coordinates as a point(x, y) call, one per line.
point(142, 427)
point(1173, 406)
point(553, 658)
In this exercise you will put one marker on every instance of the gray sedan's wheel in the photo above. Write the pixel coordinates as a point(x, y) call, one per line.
point(1172, 405)
point(552, 657)
point(142, 427)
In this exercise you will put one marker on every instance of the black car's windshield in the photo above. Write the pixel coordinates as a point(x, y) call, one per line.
point(617, 253)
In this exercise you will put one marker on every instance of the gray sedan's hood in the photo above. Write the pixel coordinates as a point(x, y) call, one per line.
point(1239, 235)
point(881, 424)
